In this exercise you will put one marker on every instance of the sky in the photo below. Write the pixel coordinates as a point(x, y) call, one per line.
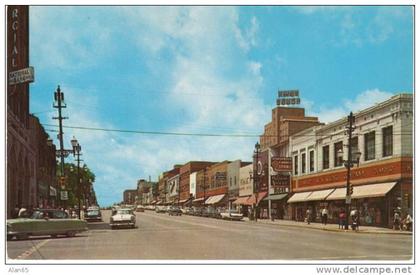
point(208, 70)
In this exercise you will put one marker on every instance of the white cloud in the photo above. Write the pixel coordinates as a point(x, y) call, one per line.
point(206, 53)
point(363, 100)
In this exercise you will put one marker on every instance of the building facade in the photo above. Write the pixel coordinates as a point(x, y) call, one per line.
point(273, 176)
point(21, 158)
point(129, 196)
point(382, 180)
point(184, 180)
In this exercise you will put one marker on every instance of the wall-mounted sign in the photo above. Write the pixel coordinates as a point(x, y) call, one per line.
point(220, 176)
point(280, 181)
point(288, 97)
point(281, 164)
point(21, 76)
point(64, 195)
point(53, 191)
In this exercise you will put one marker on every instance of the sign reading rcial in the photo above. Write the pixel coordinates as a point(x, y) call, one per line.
point(281, 164)
point(21, 76)
point(288, 97)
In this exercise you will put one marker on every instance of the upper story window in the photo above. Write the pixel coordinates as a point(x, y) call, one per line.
point(296, 165)
point(234, 181)
point(311, 161)
point(338, 161)
point(370, 146)
point(387, 141)
point(354, 147)
point(303, 166)
point(326, 157)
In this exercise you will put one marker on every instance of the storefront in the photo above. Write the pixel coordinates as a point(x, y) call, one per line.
point(279, 207)
point(375, 203)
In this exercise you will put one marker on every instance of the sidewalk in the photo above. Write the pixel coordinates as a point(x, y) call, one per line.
point(330, 227)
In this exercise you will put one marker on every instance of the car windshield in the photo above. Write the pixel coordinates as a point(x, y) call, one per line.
point(39, 214)
point(124, 211)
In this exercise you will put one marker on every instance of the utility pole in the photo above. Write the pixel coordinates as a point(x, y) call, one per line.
point(59, 104)
point(351, 120)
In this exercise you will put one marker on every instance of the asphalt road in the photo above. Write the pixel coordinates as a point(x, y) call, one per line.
point(163, 237)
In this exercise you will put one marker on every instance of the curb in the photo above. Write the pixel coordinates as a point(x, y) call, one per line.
point(340, 230)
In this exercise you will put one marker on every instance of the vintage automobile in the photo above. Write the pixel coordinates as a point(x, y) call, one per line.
point(160, 209)
point(51, 222)
point(140, 208)
point(93, 214)
point(174, 211)
point(231, 215)
point(123, 217)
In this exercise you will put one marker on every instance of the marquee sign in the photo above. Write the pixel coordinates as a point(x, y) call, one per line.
point(281, 164)
point(288, 97)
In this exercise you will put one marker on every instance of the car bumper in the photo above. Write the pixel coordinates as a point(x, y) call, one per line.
point(122, 224)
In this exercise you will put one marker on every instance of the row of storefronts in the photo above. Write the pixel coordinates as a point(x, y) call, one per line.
point(298, 167)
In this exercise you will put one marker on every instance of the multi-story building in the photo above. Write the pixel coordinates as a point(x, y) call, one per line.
point(246, 189)
point(274, 180)
point(216, 185)
point(184, 180)
point(382, 180)
point(129, 196)
point(163, 186)
point(21, 157)
point(173, 189)
point(233, 169)
point(45, 165)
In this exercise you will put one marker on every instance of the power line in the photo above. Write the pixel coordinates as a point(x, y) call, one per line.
point(239, 135)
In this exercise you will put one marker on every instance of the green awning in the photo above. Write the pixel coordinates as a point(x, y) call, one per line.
point(275, 197)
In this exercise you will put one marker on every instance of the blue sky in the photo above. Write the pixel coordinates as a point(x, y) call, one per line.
point(205, 70)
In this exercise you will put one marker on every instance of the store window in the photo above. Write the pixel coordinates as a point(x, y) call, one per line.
point(370, 146)
point(303, 163)
point(387, 141)
point(311, 161)
point(338, 161)
point(296, 165)
point(326, 157)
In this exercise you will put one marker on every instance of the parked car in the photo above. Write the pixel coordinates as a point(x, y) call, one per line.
point(231, 215)
point(140, 208)
point(51, 222)
point(124, 217)
point(160, 209)
point(174, 211)
point(197, 211)
point(93, 214)
point(208, 212)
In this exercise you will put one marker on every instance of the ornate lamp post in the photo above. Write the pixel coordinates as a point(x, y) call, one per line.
point(255, 176)
point(76, 152)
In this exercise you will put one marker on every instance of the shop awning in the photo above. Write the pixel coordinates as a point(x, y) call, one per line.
point(319, 195)
point(198, 200)
point(184, 201)
point(364, 191)
point(215, 199)
point(241, 200)
point(251, 200)
point(275, 197)
point(159, 202)
point(153, 202)
point(299, 197)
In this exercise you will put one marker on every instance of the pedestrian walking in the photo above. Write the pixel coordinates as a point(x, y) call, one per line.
point(341, 219)
point(308, 216)
point(324, 216)
point(355, 219)
point(397, 221)
point(408, 223)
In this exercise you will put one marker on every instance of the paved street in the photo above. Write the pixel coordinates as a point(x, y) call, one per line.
point(159, 236)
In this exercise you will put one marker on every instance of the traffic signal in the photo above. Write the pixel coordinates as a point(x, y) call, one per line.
point(351, 189)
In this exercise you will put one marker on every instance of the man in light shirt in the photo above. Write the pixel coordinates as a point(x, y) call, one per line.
point(324, 215)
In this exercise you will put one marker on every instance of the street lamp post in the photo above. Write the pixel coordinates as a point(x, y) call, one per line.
point(76, 152)
point(255, 176)
point(349, 164)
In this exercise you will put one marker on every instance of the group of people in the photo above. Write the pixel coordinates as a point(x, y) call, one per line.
point(27, 211)
point(402, 224)
point(398, 222)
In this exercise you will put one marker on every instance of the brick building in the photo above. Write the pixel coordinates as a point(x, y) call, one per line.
point(184, 179)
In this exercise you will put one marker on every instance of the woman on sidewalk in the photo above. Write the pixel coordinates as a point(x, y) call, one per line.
point(308, 216)
point(341, 219)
